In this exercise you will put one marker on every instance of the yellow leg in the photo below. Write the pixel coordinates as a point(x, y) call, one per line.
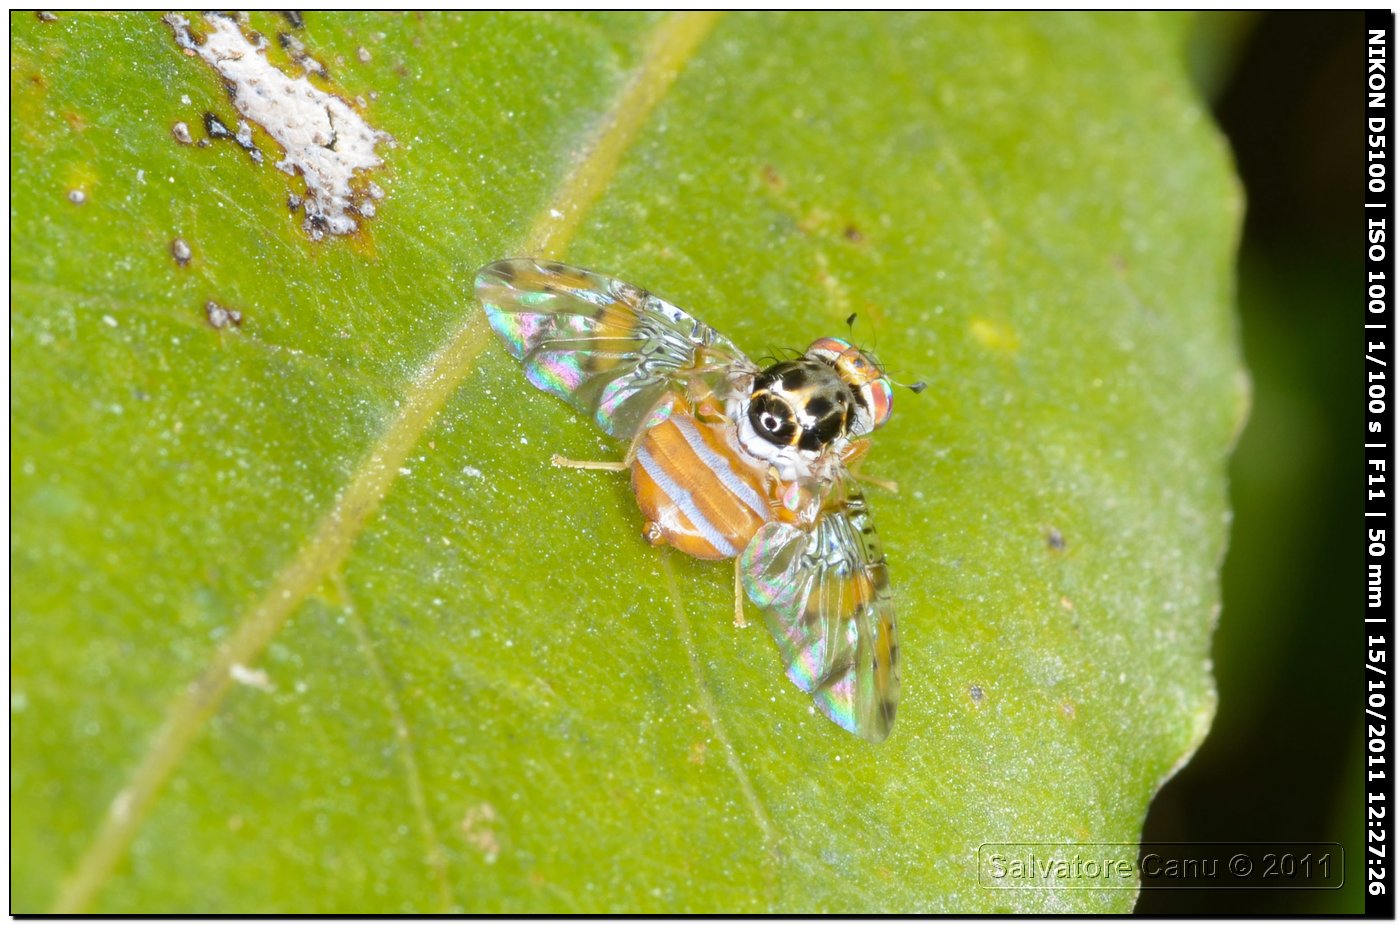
point(886, 484)
point(854, 456)
point(739, 620)
point(605, 466)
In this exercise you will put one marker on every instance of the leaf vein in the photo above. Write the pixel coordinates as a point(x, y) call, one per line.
point(669, 47)
point(413, 778)
point(771, 837)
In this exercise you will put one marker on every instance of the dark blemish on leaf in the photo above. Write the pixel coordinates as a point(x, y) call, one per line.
point(214, 126)
point(243, 137)
point(300, 56)
point(220, 317)
point(293, 18)
point(293, 202)
point(977, 694)
point(772, 178)
point(1054, 539)
point(77, 197)
point(181, 252)
point(45, 16)
point(853, 234)
point(181, 131)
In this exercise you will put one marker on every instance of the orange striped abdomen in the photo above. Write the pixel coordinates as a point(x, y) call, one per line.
point(696, 490)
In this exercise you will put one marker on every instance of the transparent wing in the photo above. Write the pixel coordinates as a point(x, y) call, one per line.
point(825, 595)
point(610, 349)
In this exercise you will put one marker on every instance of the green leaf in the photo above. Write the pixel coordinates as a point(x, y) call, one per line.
point(305, 621)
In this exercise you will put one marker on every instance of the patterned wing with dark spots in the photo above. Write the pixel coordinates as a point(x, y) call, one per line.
point(825, 594)
point(610, 349)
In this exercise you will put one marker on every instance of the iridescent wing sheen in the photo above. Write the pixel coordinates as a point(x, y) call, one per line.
point(610, 349)
point(825, 595)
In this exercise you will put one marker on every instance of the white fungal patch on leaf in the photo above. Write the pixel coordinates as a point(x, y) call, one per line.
point(323, 138)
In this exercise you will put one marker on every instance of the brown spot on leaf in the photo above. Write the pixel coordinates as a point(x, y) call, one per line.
point(221, 316)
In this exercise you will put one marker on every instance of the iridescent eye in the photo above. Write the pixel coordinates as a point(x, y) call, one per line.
point(881, 398)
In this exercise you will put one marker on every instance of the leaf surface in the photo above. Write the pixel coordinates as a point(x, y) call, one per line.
point(304, 621)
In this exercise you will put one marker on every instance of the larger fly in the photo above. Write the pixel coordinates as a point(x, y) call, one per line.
point(729, 461)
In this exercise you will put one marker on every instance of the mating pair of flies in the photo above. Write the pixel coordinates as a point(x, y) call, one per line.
point(730, 460)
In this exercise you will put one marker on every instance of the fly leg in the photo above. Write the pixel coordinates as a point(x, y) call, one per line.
point(854, 456)
point(621, 465)
point(886, 484)
point(603, 465)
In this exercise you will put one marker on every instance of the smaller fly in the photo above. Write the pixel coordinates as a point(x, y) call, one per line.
point(729, 461)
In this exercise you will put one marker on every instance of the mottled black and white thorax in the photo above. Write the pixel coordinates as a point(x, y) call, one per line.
point(798, 414)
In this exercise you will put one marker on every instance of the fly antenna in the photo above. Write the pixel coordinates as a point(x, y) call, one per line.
point(915, 387)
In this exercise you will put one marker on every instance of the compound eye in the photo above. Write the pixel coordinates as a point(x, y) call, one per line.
point(877, 398)
point(772, 420)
